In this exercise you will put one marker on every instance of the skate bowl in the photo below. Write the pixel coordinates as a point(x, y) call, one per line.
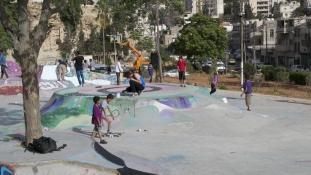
point(166, 127)
point(72, 107)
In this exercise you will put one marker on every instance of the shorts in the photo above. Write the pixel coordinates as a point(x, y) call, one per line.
point(108, 120)
point(182, 75)
point(248, 98)
point(62, 69)
point(97, 128)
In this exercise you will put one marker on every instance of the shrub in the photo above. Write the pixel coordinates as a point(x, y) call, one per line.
point(223, 87)
point(249, 69)
point(258, 80)
point(298, 77)
point(270, 73)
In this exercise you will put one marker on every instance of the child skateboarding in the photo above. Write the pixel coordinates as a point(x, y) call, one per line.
point(97, 120)
point(213, 84)
point(104, 106)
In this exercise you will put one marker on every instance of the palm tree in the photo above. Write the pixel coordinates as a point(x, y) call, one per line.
point(102, 16)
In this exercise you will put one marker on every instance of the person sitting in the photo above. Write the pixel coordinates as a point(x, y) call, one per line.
point(137, 83)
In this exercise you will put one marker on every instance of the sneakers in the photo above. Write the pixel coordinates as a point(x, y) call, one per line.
point(184, 85)
point(109, 132)
point(181, 85)
point(103, 142)
point(139, 93)
point(135, 94)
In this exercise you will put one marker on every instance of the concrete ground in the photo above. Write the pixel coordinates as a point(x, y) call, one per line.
point(212, 137)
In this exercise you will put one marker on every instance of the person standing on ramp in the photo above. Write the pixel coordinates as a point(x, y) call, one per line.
point(181, 66)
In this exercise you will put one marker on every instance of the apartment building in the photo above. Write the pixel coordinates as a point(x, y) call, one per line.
point(215, 7)
point(286, 9)
point(293, 42)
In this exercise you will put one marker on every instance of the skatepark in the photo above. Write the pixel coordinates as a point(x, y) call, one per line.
point(168, 129)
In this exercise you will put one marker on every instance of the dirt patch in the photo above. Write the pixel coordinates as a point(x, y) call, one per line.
point(228, 82)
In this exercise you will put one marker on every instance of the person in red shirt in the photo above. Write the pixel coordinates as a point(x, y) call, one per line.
point(181, 66)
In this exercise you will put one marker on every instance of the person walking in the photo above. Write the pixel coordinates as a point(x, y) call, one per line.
point(79, 68)
point(62, 69)
point(3, 65)
point(119, 69)
point(92, 66)
point(109, 70)
point(213, 84)
point(247, 91)
point(181, 66)
point(150, 71)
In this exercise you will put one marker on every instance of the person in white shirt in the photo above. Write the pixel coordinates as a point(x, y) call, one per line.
point(119, 69)
point(104, 106)
point(92, 65)
point(85, 65)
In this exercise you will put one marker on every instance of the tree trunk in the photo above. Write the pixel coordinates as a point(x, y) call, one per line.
point(31, 97)
point(158, 43)
point(104, 46)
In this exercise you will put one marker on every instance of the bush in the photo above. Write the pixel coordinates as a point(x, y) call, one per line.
point(270, 73)
point(249, 69)
point(298, 77)
point(258, 80)
point(223, 87)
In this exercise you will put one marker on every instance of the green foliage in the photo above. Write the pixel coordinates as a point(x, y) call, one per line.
point(71, 16)
point(108, 61)
point(270, 73)
point(258, 80)
point(298, 77)
point(136, 34)
point(248, 11)
point(11, 10)
point(228, 9)
point(249, 69)
point(145, 44)
point(299, 11)
point(202, 36)
point(223, 87)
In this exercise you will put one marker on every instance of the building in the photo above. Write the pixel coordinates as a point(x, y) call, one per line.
point(293, 38)
point(215, 8)
point(285, 9)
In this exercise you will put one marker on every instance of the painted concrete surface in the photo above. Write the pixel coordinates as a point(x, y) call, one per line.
point(183, 131)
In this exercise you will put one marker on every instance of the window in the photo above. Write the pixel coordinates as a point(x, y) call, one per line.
point(303, 42)
point(271, 33)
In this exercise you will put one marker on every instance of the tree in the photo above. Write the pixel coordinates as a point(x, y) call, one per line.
point(27, 43)
point(103, 7)
point(202, 36)
point(248, 11)
point(145, 44)
point(136, 35)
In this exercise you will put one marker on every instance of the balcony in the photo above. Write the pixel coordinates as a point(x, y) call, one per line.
point(284, 29)
point(281, 48)
point(304, 49)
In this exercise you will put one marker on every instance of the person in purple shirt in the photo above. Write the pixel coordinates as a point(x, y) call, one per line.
point(247, 91)
point(97, 119)
point(213, 84)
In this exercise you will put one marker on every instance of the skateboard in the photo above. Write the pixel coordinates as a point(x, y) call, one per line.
point(116, 134)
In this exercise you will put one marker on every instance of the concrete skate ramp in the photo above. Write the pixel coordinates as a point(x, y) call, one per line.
point(72, 107)
point(172, 120)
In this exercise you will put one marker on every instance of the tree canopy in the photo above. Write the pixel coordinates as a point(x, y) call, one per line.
point(203, 36)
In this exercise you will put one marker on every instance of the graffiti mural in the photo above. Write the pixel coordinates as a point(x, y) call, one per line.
point(11, 90)
point(6, 169)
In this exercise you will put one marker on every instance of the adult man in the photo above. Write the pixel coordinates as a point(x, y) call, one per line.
point(181, 66)
point(137, 83)
point(3, 65)
point(150, 71)
point(92, 65)
point(62, 69)
point(247, 91)
point(119, 70)
point(79, 67)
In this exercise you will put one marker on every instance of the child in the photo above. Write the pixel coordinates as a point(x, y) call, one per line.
point(104, 105)
point(213, 85)
point(247, 91)
point(97, 119)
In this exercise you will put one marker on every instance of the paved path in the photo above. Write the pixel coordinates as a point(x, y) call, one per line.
point(211, 138)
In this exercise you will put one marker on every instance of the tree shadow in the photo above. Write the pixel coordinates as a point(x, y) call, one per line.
point(11, 117)
point(79, 130)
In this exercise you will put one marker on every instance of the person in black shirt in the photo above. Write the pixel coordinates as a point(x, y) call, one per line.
point(79, 67)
